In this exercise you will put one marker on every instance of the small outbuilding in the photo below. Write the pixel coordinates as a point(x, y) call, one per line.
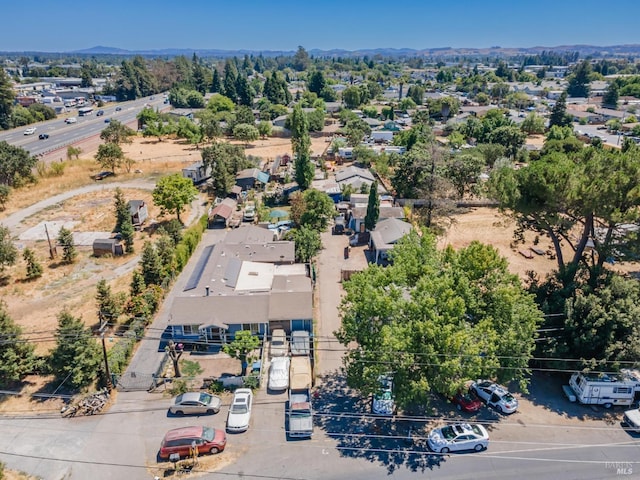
point(197, 172)
point(107, 246)
point(138, 211)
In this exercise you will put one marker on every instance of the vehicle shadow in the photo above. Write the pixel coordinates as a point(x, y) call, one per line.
point(392, 442)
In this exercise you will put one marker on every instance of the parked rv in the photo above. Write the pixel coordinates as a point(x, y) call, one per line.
point(605, 390)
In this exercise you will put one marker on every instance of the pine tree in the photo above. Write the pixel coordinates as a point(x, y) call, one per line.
point(216, 85)
point(137, 284)
point(34, 268)
point(109, 305)
point(559, 112)
point(77, 357)
point(301, 146)
point(65, 239)
point(373, 208)
point(16, 355)
point(121, 209)
point(151, 265)
point(611, 96)
point(128, 232)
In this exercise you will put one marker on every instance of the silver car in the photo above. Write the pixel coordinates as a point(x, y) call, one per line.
point(458, 437)
point(195, 403)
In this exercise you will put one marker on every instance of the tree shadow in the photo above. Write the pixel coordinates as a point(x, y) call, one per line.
point(545, 390)
point(392, 442)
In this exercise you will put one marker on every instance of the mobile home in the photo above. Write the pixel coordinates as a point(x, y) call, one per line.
point(605, 390)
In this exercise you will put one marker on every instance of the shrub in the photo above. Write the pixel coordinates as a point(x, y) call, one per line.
point(179, 387)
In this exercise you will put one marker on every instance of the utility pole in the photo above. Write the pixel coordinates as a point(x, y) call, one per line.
point(52, 249)
point(106, 364)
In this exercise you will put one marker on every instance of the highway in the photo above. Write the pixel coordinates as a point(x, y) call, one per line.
point(62, 134)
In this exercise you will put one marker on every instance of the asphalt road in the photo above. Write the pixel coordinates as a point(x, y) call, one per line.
point(62, 134)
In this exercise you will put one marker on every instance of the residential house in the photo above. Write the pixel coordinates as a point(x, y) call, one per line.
point(356, 222)
point(246, 282)
point(387, 233)
point(197, 172)
point(251, 178)
point(355, 177)
point(138, 211)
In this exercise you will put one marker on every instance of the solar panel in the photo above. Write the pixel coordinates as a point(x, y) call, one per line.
point(199, 268)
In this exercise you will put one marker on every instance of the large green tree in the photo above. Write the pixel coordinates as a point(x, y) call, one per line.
point(173, 192)
point(578, 202)
point(318, 209)
point(242, 345)
point(301, 146)
point(559, 114)
point(16, 353)
point(307, 243)
point(117, 133)
point(579, 80)
point(109, 156)
point(8, 251)
point(7, 98)
point(436, 319)
point(16, 165)
point(76, 358)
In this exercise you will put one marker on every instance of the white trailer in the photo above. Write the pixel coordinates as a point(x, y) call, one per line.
point(605, 390)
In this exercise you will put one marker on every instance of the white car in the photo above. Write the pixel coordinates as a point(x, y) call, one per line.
point(30, 131)
point(240, 410)
point(495, 396)
point(279, 344)
point(71, 120)
point(279, 373)
point(249, 212)
point(383, 402)
point(460, 436)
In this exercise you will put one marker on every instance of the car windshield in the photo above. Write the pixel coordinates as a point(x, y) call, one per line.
point(208, 433)
point(205, 398)
point(476, 430)
point(448, 433)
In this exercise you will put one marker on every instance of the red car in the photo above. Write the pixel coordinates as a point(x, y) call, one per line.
point(180, 440)
point(467, 402)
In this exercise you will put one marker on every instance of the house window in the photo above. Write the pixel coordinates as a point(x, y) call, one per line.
point(252, 327)
point(191, 329)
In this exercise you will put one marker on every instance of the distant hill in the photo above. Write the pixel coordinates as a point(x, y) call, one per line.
point(584, 50)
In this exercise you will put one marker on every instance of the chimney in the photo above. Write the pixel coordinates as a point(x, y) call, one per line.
point(206, 289)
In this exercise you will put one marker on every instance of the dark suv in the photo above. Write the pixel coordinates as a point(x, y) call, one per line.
point(339, 225)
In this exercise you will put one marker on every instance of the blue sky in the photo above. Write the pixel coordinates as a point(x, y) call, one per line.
point(66, 25)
